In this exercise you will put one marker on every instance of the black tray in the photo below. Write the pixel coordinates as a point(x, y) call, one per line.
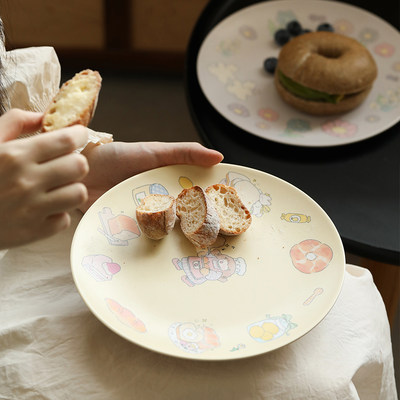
point(356, 184)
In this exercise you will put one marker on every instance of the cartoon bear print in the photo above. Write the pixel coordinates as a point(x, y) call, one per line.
point(213, 266)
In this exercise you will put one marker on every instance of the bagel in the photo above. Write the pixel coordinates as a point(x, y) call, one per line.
point(324, 73)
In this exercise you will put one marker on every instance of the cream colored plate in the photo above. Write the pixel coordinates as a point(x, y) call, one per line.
point(244, 296)
point(231, 74)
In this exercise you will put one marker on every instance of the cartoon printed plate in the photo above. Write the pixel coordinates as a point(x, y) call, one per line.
point(231, 73)
point(244, 296)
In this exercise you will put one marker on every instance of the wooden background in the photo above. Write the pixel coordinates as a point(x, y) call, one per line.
point(121, 34)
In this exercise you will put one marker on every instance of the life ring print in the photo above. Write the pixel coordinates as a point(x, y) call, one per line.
point(311, 256)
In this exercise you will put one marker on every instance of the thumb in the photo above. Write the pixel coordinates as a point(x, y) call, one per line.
point(183, 153)
point(18, 122)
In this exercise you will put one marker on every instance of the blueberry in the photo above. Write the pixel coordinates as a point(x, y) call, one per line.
point(294, 28)
point(282, 36)
point(325, 27)
point(270, 64)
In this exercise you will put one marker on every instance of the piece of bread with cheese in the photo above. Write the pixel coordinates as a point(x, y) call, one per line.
point(198, 218)
point(233, 215)
point(75, 102)
point(156, 215)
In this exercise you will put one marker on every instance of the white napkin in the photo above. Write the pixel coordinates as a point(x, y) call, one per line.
point(32, 77)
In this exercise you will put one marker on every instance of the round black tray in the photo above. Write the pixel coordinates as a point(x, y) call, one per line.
point(356, 184)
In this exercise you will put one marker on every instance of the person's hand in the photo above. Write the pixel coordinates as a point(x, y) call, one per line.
point(39, 178)
point(114, 162)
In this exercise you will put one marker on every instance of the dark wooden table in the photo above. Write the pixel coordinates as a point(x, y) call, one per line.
point(356, 184)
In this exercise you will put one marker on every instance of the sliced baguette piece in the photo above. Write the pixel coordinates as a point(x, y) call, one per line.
point(198, 218)
point(156, 215)
point(75, 102)
point(233, 215)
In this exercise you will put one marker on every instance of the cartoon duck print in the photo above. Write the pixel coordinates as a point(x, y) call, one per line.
point(193, 338)
point(257, 202)
point(118, 229)
point(100, 267)
point(296, 218)
point(271, 328)
point(214, 266)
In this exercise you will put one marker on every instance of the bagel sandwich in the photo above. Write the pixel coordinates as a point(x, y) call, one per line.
point(324, 73)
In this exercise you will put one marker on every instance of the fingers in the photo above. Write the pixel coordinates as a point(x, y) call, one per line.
point(42, 147)
point(62, 171)
point(129, 159)
point(56, 223)
point(188, 153)
point(199, 155)
point(48, 146)
point(43, 216)
point(17, 236)
point(18, 122)
point(39, 178)
point(64, 199)
point(50, 226)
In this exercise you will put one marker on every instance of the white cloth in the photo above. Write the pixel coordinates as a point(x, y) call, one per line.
point(52, 347)
point(31, 77)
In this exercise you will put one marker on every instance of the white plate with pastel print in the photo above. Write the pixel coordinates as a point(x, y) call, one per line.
point(232, 77)
point(245, 295)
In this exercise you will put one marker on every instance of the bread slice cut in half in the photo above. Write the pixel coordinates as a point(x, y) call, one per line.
point(75, 102)
point(198, 218)
point(234, 217)
point(156, 215)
